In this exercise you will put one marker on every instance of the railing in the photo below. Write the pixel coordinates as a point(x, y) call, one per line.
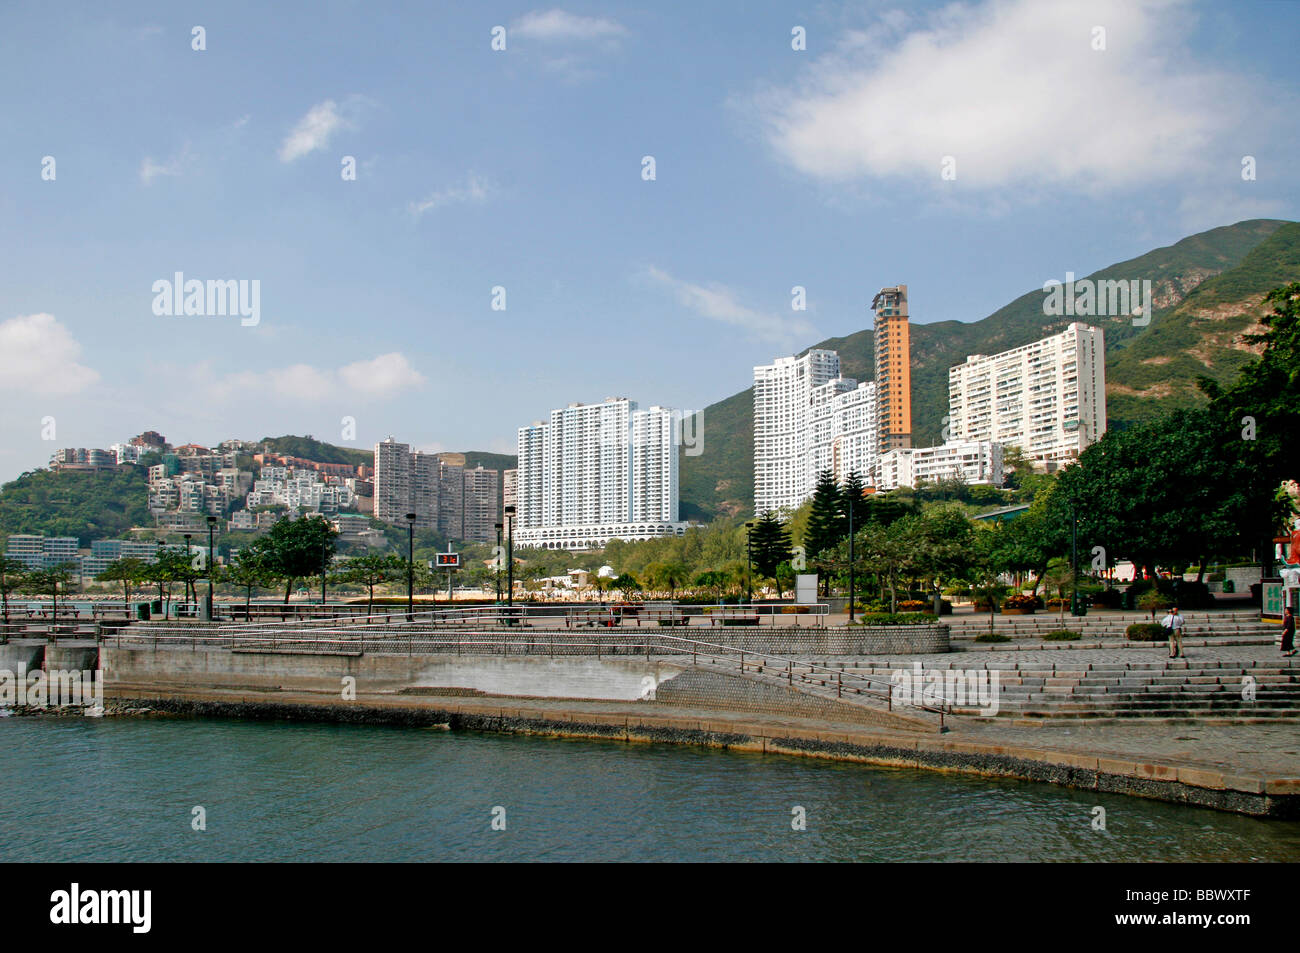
point(807, 675)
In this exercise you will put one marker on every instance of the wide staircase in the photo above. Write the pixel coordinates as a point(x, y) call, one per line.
point(1215, 689)
point(1236, 626)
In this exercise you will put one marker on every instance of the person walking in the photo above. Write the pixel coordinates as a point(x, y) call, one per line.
point(1174, 623)
point(1288, 632)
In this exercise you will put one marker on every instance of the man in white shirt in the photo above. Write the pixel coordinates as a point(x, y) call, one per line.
point(1174, 623)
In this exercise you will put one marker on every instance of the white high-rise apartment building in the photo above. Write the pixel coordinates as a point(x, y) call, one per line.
point(808, 419)
point(1047, 398)
point(971, 461)
point(596, 472)
point(784, 436)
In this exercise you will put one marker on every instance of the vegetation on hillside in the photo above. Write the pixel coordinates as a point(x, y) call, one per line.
point(82, 503)
point(1227, 269)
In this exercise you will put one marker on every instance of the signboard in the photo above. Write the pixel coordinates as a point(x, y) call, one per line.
point(805, 589)
point(448, 560)
point(1272, 599)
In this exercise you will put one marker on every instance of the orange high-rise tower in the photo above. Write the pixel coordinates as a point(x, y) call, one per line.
point(893, 369)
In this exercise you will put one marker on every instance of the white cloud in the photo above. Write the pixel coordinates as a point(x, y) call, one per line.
point(1015, 92)
point(475, 189)
point(175, 166)
point(38, 355)
point(719, 303)
point(559, 25)
point(383, 376)
point(380, 377)
point(313, 131)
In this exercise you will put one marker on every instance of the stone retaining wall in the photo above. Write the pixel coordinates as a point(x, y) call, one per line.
point(654, 640)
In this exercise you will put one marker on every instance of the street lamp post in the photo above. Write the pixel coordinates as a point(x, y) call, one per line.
point(500, 527)
point(410, 567)
point(749, 563)
point(190, 556)
point(852, 578)
point(212, 523)
point(510, 556)
point(1074, 560)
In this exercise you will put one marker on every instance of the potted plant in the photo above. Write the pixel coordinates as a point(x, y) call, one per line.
point(1020, 605)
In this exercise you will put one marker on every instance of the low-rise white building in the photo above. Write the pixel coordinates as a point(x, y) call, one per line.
point(975, 462)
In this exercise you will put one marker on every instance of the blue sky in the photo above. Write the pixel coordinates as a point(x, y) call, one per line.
point(522, 168)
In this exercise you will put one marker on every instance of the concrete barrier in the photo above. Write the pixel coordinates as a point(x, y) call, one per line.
point(28, 654)
point(623, 678)
point(70, 656)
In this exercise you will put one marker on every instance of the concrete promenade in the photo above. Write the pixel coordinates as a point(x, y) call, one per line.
point(1246, 768)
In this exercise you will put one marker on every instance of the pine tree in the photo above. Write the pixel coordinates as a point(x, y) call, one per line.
point(770, 542)
point(826, 523)
point(854, 489)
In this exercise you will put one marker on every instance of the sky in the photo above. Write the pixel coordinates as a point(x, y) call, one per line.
point(619, 202)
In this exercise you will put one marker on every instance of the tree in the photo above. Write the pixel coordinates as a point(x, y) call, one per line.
point(1059, 575)
point(128, 571)
point(854, 489)
point(625, 583)
point(770, 542)
point(942, 541)
point(297, 548)
point(248, 570)
point(373, 570)
point(47, 582)
point(1257, 416)
point(712, 579)
point(169, 566)
point(667, 576)
point(986, 569)
point(826, 518)
point(12, 574)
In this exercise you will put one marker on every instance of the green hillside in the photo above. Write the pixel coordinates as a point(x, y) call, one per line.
point(1205, 289)
point(82, 503)
point(490, 461)
point(310, 448)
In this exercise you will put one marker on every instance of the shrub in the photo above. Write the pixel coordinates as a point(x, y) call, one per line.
point(982, 605)
point(1153, 602)
point(896, 618)
point(914, 605)
point(1146, 632)
point(1192, 594)
point(992, 637)
point(1021, 602)
point(1061, 635)
point(1108, 599)
point(1057, 604)
point(1229, 586)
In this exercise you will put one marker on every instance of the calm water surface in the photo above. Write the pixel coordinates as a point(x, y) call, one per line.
point(123, 790)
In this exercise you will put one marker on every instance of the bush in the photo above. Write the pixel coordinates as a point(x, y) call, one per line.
point(914, 605)
point(1192, 595)
point(1229, 586)
point(896, 618)
point(1022, 602)
point(1061, 635)
point(1108, 599)
point(992, 637)
point(1057, 604)
point(1153, 602)
point(982, 605)
point(1146, 632)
